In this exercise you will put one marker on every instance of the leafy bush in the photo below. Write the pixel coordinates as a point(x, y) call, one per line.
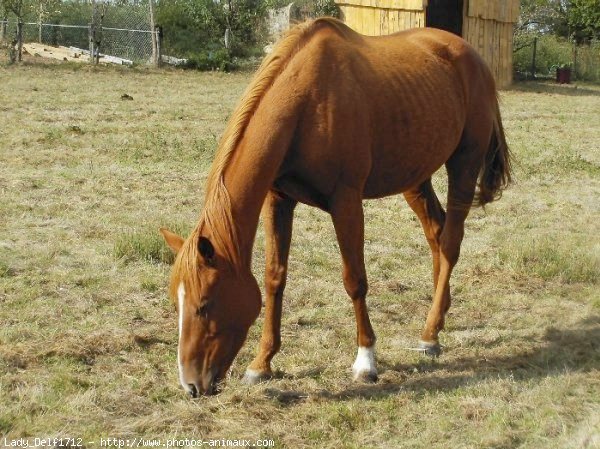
point(551, 53)
point(326, 8)
point(310, 8)
point(554, 52)
point(196, 28)
point(588, 62)
point(183, 33)
point(219, 59)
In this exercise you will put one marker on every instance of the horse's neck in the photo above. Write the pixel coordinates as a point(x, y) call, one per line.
point(247, 182)
point(253, 168)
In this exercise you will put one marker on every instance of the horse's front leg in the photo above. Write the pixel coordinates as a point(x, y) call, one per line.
point(278, 212)
point(348, 220)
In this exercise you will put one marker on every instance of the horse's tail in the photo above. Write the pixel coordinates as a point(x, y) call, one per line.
point(495, 174)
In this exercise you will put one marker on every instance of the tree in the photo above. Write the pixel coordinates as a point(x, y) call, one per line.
point(536, 17)
point(241, 17)
point(583, 17)
point(13, 6)
point(572, 19)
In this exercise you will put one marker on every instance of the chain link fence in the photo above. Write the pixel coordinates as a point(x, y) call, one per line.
point(122, 30)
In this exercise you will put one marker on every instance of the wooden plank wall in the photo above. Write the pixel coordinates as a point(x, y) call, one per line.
point(377, 22)
point(487, 25)
point(493, 41)
point(499, 10)
point(411, 5)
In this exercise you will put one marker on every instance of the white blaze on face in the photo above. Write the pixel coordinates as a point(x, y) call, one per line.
point(181, 305)
point(365, 361)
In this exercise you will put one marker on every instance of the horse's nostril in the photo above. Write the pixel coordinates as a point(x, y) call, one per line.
point(193, 390)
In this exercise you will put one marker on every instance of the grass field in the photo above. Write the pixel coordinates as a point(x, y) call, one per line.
point(88, 336)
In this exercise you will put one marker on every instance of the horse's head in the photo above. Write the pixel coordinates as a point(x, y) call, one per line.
point(216, 306)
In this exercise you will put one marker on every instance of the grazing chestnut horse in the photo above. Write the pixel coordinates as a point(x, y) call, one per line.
point(331, 118)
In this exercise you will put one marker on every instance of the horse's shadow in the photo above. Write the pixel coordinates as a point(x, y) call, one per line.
point(576, 349)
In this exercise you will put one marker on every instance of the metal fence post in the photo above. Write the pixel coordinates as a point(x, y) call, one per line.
point(227, 38)
point(20, 40)
point(92, 37)
point(159, 37)
point(93, 31)
point(575, 60)
point(153, 35)
point(533, 58)
point(98, 37)
point(3, 29)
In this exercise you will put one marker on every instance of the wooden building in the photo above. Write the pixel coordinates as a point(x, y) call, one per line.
point(486, 24)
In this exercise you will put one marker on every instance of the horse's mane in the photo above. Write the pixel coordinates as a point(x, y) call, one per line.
point(269, 69)
point(216, 214)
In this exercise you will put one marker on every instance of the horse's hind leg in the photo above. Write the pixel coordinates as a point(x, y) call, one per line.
point(348, 220)
point(463, 169)
point(278, 212)
point(424, 202)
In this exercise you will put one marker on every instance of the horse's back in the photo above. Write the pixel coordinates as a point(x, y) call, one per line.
point(383, 112)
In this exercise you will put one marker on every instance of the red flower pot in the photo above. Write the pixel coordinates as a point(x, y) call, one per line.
point(563, 75)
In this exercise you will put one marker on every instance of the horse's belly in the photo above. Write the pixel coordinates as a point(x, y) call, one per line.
point(302, 191)
point(394, 179)
point(407, 152)
point(402, 166)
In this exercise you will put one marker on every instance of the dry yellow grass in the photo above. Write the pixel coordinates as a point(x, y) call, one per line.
point(88, 336)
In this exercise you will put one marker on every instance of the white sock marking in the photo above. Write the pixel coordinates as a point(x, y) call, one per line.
point(365, 361)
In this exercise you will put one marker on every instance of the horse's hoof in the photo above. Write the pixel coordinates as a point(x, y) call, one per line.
point(253, 377)
point(430, 348)
point(369, 377)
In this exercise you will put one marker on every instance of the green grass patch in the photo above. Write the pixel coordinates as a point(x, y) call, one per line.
point(6, 423)
point(162, 146)
point(150, 285)
point(553, 258)
point(570, 163)
point(5, 269)
point(146, 245)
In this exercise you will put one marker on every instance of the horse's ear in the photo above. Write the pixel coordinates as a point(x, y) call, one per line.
point(206, 250)
point(173, 240)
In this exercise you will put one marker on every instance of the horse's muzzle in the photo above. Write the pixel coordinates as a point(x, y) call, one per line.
point(207, 387)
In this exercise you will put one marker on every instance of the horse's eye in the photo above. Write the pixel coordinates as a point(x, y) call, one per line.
point(202, 310)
